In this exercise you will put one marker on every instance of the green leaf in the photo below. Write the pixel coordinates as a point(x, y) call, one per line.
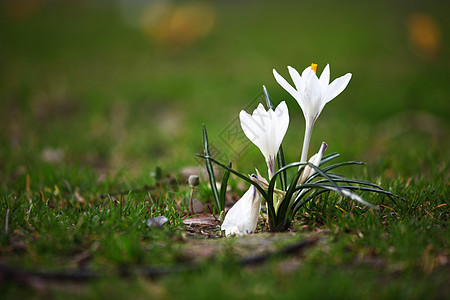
point(324, 174)
point(307, 182)
point(343, 190)
point(281, 164)
point(223, 188)
point(328, 157)
point(286, 204)
point(346, 163)
point(329, 168)
point(286, 167)
point(271, 188)
point(355, 181)
point(338, 179)
point(210, 169)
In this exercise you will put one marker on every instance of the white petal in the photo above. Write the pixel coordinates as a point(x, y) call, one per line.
point(242, 218)
point(254, 129)
point(260, 111)
point(337, 86)
point(295, 77)
point(249, 126)
point(313, 98)
point(282, 115)
point(308, 72)
point(316, 89)
point(325, 76)
point(271, 132)
point(285, 85)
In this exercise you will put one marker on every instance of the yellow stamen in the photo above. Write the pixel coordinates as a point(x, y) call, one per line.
point(314, 67)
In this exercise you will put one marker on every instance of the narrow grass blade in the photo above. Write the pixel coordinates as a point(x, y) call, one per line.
point(281, 164)
point(309, 184)
point(286, 167)
point(223, 188)
point(379, 189)
point(210, 169)
point(368, 189)
point(344, 191)
point(323, 174)
point(346, 163)
point(328, 157)
point(355, 181)
point(329, 168)
point(336, 176)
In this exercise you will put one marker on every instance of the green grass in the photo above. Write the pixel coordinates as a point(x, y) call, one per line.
point(90, 106)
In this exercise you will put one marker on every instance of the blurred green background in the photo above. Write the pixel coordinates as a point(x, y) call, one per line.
point(126, 85)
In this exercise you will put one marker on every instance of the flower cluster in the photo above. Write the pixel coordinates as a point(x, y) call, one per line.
point(266, 129)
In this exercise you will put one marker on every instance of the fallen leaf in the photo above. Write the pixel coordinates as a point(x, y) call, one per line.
point(204, 219)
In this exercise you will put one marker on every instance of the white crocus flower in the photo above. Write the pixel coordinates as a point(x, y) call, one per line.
point(242, 218)
point(308, 171)
point(266, 129)
point(312, 93)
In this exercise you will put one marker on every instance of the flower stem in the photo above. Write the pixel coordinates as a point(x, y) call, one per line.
point(308, 133)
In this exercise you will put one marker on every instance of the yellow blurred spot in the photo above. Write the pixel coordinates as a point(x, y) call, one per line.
point(42, 196)
point(338, 207)
point(385, 206)
point(56, 192)
point(178, 25)
point(424, 35)
point(314, 67)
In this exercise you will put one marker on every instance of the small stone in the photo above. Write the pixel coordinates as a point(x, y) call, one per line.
point(157, 221)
